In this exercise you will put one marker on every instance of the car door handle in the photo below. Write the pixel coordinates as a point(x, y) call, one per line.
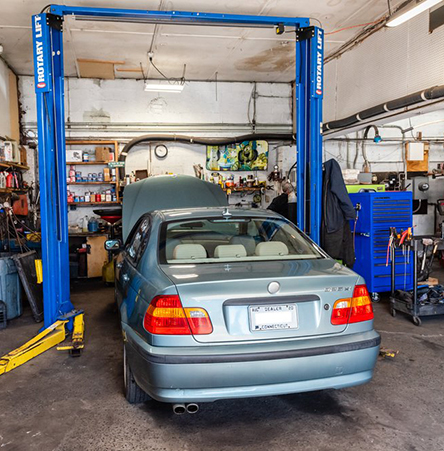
point(125, 278)
point(119, 265)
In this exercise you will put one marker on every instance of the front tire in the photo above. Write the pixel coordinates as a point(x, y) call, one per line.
point(133, 393)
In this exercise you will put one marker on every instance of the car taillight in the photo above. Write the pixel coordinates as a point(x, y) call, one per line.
point(362, 309)
point(166, 316)
point(353, 310)
point(341, 312)
point(199, 321)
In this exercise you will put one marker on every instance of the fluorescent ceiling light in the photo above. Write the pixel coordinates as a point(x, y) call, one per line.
point(408, 13)
point(160, 86)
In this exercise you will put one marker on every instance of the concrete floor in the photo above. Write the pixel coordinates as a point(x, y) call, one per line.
point(59, 403)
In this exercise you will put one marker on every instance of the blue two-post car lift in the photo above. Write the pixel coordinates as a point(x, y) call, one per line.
point(49, 88)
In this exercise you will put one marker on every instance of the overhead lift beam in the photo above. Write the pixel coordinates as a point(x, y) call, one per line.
point(49, 87)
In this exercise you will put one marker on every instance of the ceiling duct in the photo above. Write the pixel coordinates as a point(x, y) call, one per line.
point(434, 93)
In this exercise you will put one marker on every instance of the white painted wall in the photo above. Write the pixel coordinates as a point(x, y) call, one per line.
point(391, 63)
point(121, 109)
point(5, 120)
point(388, 156)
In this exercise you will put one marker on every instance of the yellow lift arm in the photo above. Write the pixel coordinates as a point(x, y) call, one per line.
point(51, 336)
point(45, 340)
point(77, 337)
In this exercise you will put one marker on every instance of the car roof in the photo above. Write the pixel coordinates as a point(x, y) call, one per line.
point(185, 213)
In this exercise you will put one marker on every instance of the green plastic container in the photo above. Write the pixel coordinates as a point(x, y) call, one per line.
point(10, 289)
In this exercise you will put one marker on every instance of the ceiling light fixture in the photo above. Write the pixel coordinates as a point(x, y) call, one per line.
point(168, 84)
point(408, 13)
point(163, 86)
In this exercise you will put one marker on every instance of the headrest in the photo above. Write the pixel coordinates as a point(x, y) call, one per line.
point(271, 248)
point(230, 251)
point(247, 241)
point(189, 252)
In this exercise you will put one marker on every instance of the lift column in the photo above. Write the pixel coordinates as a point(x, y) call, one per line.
point(49, 79)
point(309, 94)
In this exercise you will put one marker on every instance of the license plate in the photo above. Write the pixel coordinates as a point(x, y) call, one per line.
point(273, 317)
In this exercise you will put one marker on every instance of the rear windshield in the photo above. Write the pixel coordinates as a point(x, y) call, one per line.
point(214, 240)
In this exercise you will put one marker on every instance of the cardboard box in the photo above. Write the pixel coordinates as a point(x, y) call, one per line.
point(102, 153)
point(106, 175)
point(431, 281)
point(74, 155)
point(23, 155)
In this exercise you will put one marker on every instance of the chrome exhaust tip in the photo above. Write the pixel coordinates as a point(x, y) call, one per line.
point(192, 407)
point(179, 409)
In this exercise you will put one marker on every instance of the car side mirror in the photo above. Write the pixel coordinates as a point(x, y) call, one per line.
point(113, 245)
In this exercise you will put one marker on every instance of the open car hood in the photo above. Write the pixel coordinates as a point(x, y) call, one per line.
point(168, 192)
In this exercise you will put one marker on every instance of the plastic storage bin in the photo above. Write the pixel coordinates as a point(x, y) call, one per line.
point(3, 323)
point(10, 290)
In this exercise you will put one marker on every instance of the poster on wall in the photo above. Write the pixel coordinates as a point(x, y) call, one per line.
point(245, 156)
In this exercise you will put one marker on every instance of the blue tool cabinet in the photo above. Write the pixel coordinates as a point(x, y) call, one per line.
point(379, 212)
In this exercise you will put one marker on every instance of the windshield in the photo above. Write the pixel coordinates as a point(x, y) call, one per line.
point(212, 240)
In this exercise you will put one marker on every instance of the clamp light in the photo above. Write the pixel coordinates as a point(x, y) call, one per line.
point(408, 13)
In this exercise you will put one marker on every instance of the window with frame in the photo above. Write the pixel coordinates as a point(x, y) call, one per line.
point(138, 240)
point(215, 240)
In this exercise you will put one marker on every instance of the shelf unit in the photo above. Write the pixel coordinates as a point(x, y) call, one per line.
point(92, 204)
point(92, 163)
point(10, 164)
point(110, 143)
point(92, 183)
point(13, 190)
point(243, 189)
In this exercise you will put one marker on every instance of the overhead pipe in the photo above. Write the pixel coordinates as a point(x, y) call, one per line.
point(198, 140)
point(436, 92)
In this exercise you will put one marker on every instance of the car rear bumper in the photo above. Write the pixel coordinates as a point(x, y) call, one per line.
point(199, 376)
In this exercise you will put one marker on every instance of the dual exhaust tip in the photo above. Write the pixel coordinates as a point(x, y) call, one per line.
point(180, 409)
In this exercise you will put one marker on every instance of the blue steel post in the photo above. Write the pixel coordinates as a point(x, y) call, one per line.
point(301, 120)
point(48, 70)
point(309, 93)
point(316, 44)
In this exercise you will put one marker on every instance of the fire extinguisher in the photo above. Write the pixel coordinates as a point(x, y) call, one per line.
point(9, 180)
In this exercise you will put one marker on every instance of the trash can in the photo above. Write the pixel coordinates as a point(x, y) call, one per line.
point(3, 322)
point(10, 290)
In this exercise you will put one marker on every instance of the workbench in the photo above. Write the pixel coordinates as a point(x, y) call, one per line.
point(96, 255)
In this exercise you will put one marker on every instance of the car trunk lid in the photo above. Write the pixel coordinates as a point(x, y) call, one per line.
point(243, 305)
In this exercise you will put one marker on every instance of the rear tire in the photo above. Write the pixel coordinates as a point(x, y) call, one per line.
point(133, 393)
point(417, 321)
